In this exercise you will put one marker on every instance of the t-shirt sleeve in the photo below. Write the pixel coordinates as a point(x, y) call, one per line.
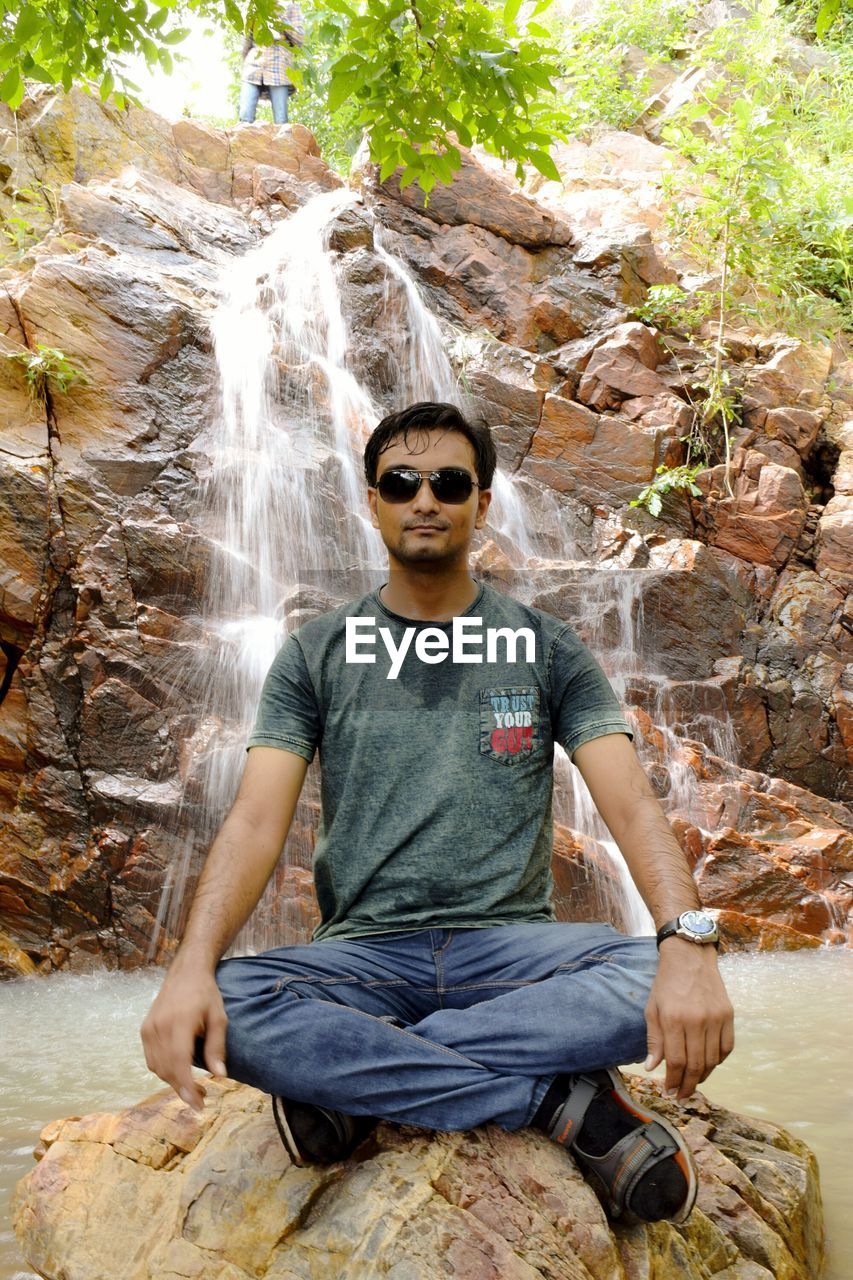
point(288, 713)
point(583, 704)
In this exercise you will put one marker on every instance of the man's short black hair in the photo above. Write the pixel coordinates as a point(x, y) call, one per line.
point(410, 424)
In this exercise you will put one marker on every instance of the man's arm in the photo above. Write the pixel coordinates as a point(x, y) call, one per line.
point(689, 1016)
point(241, 860)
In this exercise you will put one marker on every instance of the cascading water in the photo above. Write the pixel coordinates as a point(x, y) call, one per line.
point(282, 468)
point(283, 503)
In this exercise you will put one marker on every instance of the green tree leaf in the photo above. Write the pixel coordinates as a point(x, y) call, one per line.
point(543, 162)
point(12, 89)
point(341, 88)
point(233, 15)
point(29, 22)
point(827, 13)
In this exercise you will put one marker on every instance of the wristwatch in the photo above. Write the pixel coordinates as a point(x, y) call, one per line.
point(696, 926)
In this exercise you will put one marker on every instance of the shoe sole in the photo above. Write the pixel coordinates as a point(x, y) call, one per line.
point(284, 1132)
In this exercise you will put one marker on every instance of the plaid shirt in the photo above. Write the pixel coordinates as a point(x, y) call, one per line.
point(268, 65)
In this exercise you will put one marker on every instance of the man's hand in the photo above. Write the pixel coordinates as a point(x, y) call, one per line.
point(689, 1016)
point(189, 1005)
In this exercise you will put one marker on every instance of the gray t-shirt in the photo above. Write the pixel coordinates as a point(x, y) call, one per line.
point(436, 773)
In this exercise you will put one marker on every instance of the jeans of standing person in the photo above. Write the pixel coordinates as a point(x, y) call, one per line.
point(443, 1028)
point(249, 94)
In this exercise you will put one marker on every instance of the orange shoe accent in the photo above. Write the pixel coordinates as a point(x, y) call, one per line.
point(566, 1131)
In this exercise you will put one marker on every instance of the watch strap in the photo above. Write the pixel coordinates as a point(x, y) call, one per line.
point(675, 927)
point(668, 929)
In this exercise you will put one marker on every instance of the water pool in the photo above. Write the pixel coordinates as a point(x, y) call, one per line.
point(71, 1045)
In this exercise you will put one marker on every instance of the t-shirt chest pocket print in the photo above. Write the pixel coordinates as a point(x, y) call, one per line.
point(509, 722)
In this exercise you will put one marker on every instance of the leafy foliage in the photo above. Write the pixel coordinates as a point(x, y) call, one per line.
point(410, 71)
point(420, 70)
point(767, 198)
point(594, 85)
point(668, 480)
point(821, 18)
point(33, 207)
point(668, 306)
point(48, 369)
point(61, 42)
point(763, 202)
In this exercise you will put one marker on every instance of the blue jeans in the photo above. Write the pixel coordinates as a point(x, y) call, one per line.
point(249, 94)
point(443, 1028)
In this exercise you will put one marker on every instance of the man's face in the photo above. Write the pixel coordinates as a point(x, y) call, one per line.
point(425, 531)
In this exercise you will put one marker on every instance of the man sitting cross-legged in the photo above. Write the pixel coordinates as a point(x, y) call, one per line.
point(438, 989)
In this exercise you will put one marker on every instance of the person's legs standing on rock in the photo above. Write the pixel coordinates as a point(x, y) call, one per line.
point(249, 94)
point(279, 94)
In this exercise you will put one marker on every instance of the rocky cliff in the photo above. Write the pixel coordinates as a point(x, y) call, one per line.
point(741, 602)
point(157, 1192)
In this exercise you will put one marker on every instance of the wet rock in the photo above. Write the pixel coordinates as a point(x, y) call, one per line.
point(795, 374)
point(13, 734)
point(763, 520)
point(216, 1195)
point(479, 198)
point(797, 428)
point(537, 300)
point(586, 885)
point(757, 880)
point(778, 856)
point(351, 229)
point(508, 388)
point(14, 963)
point(681, 580)
point(23, 542)
point(835, 542)
point(803, 648)
point(106, 560)
point(753, 933)
point(622, 367)
point(746, 703)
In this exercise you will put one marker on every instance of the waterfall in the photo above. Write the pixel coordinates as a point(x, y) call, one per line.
point(283, 503)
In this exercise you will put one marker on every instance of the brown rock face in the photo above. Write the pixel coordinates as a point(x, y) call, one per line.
point(777, 865)
point(480, 198)
point(738, 610)
point(763, 520)
point(623, 366)
point(215, 1195)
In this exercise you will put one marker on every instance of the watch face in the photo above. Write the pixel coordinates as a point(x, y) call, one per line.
point(698, 922)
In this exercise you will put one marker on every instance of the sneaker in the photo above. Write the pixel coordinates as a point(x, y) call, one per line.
point(318, 1135)
point(637, 1160)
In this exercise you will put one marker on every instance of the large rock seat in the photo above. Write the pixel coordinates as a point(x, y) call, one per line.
point(157, 1192)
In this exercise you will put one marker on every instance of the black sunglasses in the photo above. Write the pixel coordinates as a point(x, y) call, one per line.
point(448, 484)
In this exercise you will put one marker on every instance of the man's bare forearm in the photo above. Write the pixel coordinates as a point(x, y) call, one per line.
point(637, 822)
point(689, 1017)
point(656, 861)
point(238, 867)
point(244, 855)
